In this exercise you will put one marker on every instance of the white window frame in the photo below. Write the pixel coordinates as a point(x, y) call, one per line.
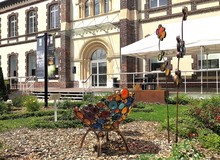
point(96, 7)
point(107, 5)
point(54, 17)
point(31, 21)
point(158, 4)
point(87, 9)
point(13, 23)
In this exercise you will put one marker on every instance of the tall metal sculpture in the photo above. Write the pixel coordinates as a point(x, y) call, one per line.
point(161, 34)
point(181, 51)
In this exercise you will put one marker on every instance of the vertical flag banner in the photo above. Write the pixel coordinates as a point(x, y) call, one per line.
point(40, 57)
point(51, 56)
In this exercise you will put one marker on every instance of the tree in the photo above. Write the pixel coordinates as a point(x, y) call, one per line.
point(3, 91)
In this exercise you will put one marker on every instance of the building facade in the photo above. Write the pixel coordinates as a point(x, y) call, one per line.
point(89, 35)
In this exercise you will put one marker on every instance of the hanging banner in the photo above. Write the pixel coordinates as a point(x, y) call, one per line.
point(40, 57)
point(51, 56)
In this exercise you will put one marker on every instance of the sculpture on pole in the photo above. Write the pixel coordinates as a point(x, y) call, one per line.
point(181, 51)
point(161, 34)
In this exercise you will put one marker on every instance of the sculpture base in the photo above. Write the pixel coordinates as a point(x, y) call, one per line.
point(151, 96)
point(102, 133)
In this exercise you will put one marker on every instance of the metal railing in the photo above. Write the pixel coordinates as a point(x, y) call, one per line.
point(197, 81)
point(24, 84)
point(193, 81)
point(29, 84)
point(85, 84)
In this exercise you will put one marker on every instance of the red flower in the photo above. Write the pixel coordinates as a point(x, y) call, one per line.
point(198, 111)
point(217, 118)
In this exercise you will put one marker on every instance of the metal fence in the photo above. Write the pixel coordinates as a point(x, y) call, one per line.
point(197, 81)
point(194, 81)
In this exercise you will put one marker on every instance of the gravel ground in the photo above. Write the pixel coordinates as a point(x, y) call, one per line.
point(63, 144)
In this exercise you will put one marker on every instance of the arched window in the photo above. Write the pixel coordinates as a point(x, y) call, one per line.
point(12, 26)
point(13, 66)
point(31, 64)
point(96, 7)
point(80, 9)
point(106, 6)
point(99, 54)
point(54, 16)
point(31, 22)
point(99, 68)
point(87, 8)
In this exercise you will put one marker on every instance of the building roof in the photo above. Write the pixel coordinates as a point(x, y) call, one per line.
point(6, 3)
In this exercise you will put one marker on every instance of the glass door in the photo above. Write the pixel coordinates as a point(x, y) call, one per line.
point(99, 77)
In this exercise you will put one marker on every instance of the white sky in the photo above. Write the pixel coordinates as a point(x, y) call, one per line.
point(2, 0)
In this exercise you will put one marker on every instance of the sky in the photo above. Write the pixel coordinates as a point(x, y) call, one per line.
point(2, 0)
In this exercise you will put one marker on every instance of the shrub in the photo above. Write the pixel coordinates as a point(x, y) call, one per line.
point(187, 126)
point(66, 104)
point(208, 113)
point(4, 107)
point(209, 140)
point(67, 115)
point(30, 114)
point(212, 101)
point(139, 105)
point(90, 98)
point(18, 100)
point(31, 104)
point(77, 103)
point(185, 150)
point(3, 91)
point(182, 99)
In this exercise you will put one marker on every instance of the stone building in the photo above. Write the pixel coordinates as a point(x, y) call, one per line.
point(89, 35)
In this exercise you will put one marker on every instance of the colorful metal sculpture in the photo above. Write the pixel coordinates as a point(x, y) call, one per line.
point(161, 34)
point(181, 51)
point(106, 115)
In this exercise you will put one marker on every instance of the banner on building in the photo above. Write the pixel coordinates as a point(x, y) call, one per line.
point(51, 56)
point(41, 57)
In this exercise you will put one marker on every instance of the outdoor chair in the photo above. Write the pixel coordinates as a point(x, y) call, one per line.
point(106, 116)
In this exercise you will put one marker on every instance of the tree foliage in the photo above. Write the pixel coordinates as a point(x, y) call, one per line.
point(3, 91)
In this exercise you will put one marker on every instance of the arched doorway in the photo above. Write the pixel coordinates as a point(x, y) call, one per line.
point(99, 68)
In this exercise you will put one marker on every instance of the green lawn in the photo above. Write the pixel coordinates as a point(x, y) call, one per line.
point(11, 124)
point(153, 112)
point(156, 112)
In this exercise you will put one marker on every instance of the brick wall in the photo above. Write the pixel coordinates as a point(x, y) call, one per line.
point(128, 35)
point(65, 65)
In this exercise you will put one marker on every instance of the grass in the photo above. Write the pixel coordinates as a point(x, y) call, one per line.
point(6, 125)
point(156, 112)
point(153, 112)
